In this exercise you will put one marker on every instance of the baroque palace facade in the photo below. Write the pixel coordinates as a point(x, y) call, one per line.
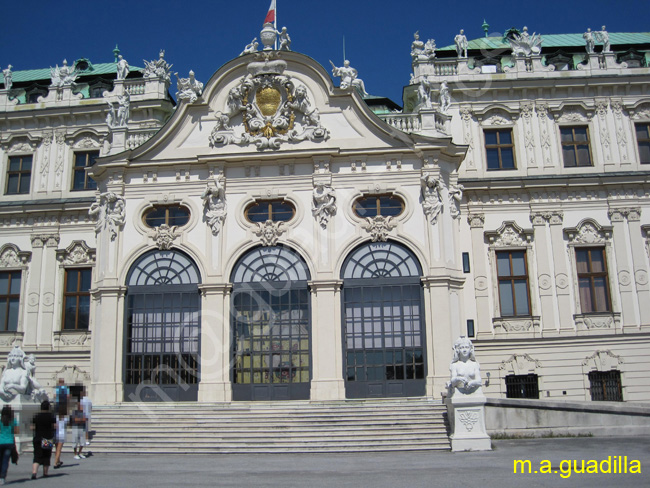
point(274, 236)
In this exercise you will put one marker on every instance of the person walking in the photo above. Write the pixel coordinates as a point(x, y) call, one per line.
point(8, 429)
point(87, 406)
point(61, 426)
point(44, 424)
point(62, 396)
point(78, 424)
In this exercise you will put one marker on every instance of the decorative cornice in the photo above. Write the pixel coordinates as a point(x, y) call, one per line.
point(476, 220)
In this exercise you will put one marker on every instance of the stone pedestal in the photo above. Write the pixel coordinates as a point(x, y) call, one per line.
point(467, 420)
point(24, 410)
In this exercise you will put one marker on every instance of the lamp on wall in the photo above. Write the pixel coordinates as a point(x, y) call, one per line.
point(487, 382)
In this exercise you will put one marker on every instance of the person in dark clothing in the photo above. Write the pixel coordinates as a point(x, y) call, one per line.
point(8, 429)
point(44, 424)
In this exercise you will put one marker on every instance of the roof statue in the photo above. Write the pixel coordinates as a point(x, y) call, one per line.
point(445, 98)
point(421, 51)
point(589, 41)
point(122, 68)
point(8, 76)
point(285, 40)
point(461, 44)
point(524, 44)
point(119, 118)
point(417, 46)
point(349, 77)
point(18, 377)
point(424, 94)
point(63, 76)
point(158, 69)
point(251, 47)
point(603, 36)
point(188, 88)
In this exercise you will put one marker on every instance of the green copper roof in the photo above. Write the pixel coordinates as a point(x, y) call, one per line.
point(556, 40)
point(45, 74)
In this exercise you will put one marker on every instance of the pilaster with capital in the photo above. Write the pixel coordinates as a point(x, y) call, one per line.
point(625, 274)
point(480, 271)
point(545, 273)
point(561, 276)
point(326, 338)
point(40, 322)
point(215, 355)
point(107, 344)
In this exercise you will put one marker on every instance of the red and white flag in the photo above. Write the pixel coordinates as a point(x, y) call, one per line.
point(270, 16)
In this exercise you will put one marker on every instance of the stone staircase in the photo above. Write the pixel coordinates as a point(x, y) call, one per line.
point(264, 427)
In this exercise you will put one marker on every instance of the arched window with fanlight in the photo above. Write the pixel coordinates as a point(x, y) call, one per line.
point(162, 328)
point(271, 327)
point(383, 322)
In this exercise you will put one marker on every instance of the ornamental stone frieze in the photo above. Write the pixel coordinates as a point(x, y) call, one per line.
point(274, 109)
point(40, 240)
point(379, 227)
point(12, 257)
point(597, 322)
point(76, 253)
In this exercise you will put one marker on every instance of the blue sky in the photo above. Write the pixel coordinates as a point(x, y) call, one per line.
point(204, 35)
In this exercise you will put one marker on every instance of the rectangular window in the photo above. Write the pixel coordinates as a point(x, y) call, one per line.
point(9, 300)
point(512, 272)
point(605, 386)
point(76, 299)
point(500, 149)
point(575, 146)
point(643, 140)
point(81, 180)
point(592, 279)
point(522, 386)
point(19, 175)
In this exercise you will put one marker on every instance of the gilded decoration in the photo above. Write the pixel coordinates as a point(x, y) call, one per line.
point(274, 109)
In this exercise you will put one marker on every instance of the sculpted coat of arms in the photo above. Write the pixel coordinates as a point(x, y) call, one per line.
point(274, 108)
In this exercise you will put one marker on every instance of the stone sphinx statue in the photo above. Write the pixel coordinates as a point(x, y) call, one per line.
point(18, 377)
point(465, 370)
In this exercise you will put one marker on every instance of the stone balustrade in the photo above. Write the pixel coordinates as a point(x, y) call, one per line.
point(137, 138)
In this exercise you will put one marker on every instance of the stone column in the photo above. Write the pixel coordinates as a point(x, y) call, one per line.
point(41, 315)
point(562, 274)
point(547, 312)
point(622, 251)
point(107, 351)
point(483, 319)
point(326, 340)
point(215, 354)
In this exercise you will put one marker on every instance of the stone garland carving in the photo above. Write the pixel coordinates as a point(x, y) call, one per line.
point(621, 137)
point(601, 110)
point(469, 418)
point(323, 205)
point(466, 116)
point(603, 360)
point(110, 211)
point(269, 104)
point(545, 138)
point(18, 377)
point(58, 169)
point(158, 69)
point(524, 44)
point(45, 158)
point(189, 89)
point(378, 227)
point(430, 187)
point(214, 202)
point(513, 325)
point(76, 253)
point(455, 197)
point(269, 232)
point(529, 139)
point(520, 364)
point(72, 339)
point(63, 76)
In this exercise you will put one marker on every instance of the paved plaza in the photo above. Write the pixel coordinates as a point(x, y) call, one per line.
point(400, 469)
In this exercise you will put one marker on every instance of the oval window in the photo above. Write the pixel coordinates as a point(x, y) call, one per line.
point(274, 210)
point(167, 214)
point(373, 205)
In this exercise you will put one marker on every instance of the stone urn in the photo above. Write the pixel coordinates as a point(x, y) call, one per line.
point(268, 36)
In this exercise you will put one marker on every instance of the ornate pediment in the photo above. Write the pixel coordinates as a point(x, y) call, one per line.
point(12, 257)
point(76, 253)
point(510, 235)
point(602, 361)
point(267, 108)
point(520, 364)
point(588, 232)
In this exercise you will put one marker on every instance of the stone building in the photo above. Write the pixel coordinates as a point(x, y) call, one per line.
point(275, 236)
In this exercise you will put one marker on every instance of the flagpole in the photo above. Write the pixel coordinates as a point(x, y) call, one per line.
point(275, 24)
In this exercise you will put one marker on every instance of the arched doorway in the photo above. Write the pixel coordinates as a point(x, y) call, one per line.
point(270, 317)
point(162, 328)
point(383, 322)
